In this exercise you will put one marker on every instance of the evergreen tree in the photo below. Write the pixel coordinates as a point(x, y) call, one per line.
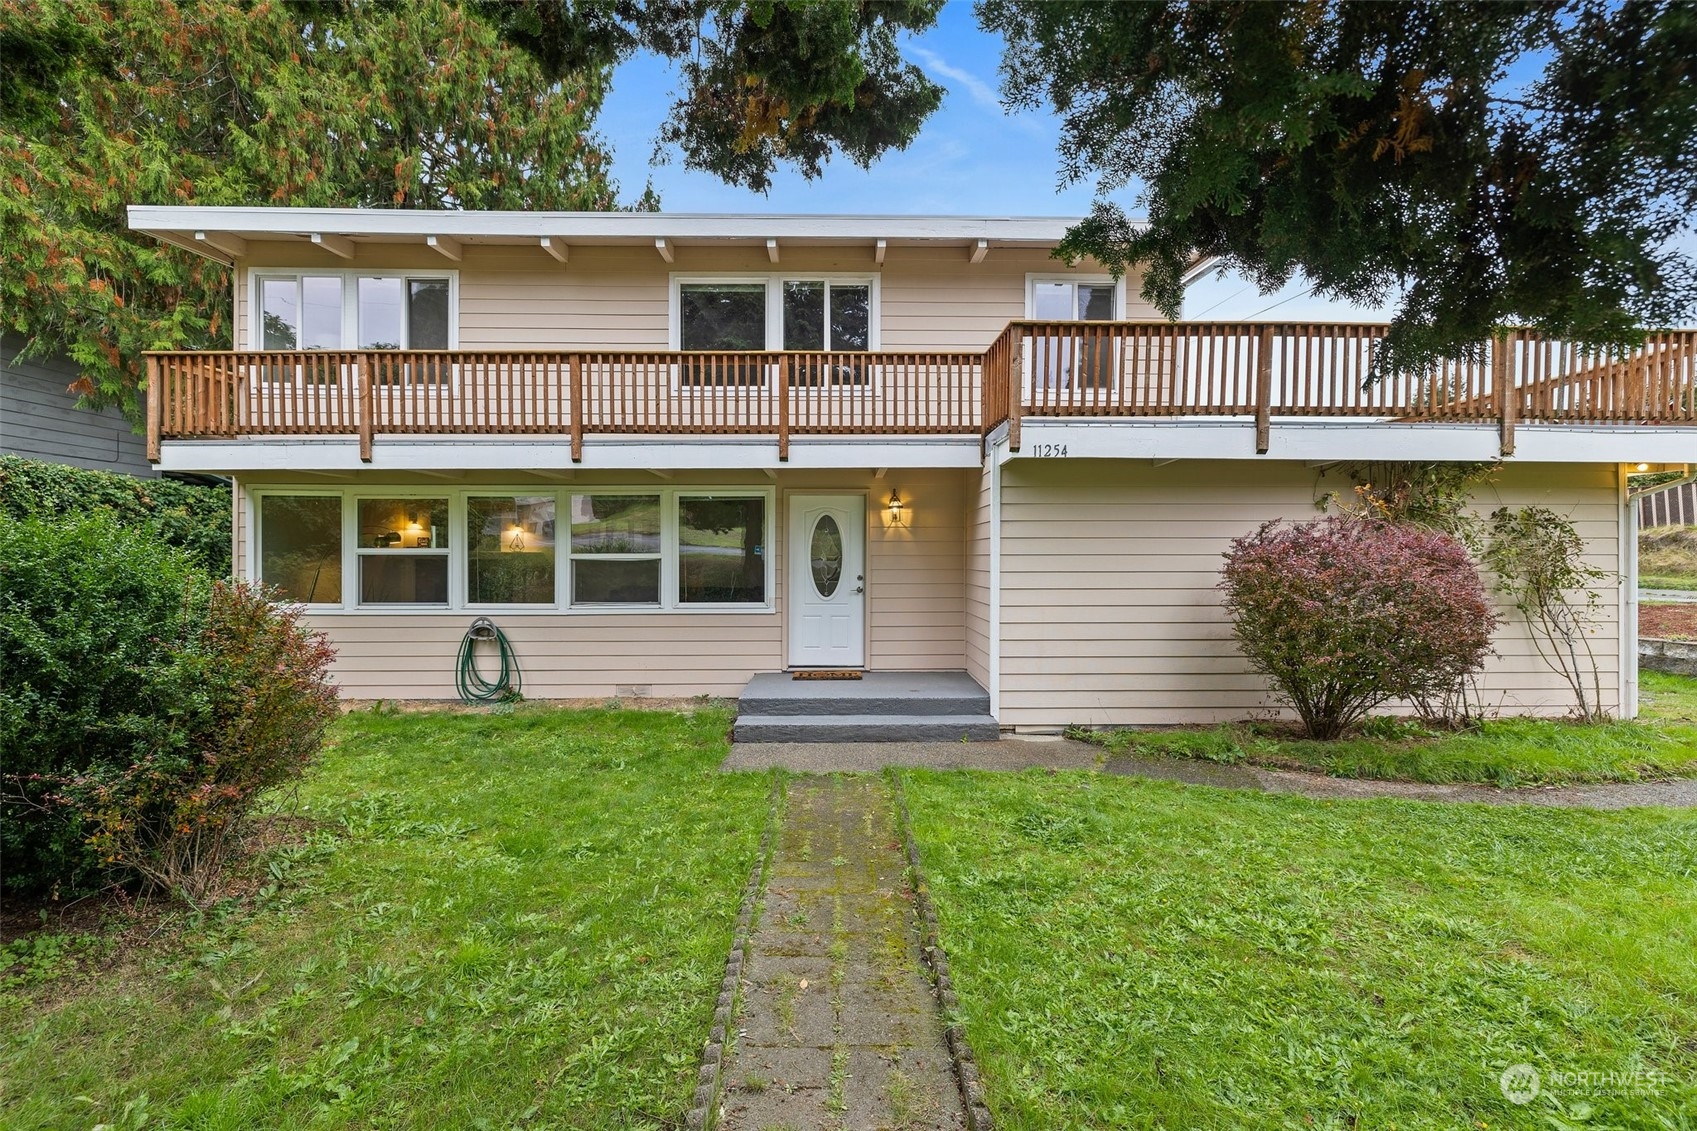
point(1514, 162)
point(105, 103)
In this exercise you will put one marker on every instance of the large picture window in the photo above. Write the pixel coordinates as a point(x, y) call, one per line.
point(717, 316)
point(721, 550)
point(300, 547)
point(510, 550)
point(332, 310)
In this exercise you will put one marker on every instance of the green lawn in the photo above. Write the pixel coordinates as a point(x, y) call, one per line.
point(1135, 954)
point(1666, 581)
point(1506, 752)
point(500, 920)
point(1663, 697)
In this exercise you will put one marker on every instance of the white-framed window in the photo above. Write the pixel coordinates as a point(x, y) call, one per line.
point(510, 542)
point(1074, 298)
point(771, 312)
point(311, 309)
point(300, 537)
point(1081, 363)
point(401, 543)
point(516, 549)
point(617, 548)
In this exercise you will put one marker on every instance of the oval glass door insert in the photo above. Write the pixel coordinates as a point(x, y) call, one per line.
point(826, 552)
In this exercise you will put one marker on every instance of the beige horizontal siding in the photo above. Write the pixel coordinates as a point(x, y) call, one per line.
point(1110, 613)
point(915, 611)
point(618, 298)
point(979, 510)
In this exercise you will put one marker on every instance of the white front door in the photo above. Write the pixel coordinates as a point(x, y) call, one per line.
point(827, 591)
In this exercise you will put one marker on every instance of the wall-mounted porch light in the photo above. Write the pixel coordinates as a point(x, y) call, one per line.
point(1643, 467)
point(898, 513)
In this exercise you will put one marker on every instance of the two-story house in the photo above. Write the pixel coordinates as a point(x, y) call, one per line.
point(666, 453)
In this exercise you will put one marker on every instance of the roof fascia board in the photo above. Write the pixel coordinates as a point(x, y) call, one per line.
point(633, 226)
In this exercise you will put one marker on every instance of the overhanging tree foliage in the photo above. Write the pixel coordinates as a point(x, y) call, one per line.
point(1514, 162)
point(105, 104)
point(763, 82)
point(434, 104)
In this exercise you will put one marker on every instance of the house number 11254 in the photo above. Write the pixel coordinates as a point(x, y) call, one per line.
point(1048, 451)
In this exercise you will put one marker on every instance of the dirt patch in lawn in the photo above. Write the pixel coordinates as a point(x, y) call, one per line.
point(1668, 622)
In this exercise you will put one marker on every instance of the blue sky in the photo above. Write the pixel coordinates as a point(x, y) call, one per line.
point(971, 158)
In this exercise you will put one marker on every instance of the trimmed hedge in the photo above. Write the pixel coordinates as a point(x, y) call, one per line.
point(195, 519)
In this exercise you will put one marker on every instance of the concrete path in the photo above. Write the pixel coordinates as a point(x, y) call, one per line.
point(1667, 596)
point(1067, 754)
point(870, 757)
point(839, 1028)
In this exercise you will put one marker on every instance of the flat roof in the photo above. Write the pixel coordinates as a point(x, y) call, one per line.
point(222, 233)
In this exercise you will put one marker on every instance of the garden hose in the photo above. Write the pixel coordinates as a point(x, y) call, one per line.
point(473, 687)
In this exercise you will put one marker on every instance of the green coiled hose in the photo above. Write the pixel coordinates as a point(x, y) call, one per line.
point(473, 687)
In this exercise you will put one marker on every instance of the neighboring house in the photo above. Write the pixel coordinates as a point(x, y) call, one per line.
point(41, 420)
point(666, 453)
point(1675, 506)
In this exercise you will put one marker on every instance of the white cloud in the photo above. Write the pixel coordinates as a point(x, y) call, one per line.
point(982, 92)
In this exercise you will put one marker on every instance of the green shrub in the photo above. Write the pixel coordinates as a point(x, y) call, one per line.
point(196, 519)
point(143, 708)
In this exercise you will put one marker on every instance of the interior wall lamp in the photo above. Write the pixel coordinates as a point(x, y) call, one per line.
point(898, 510)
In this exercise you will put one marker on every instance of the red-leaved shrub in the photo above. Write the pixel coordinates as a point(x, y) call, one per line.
point(1345, 613)
point(258, 721)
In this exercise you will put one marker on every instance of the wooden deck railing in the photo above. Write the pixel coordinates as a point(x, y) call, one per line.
point(1267, 370)
point(1041, 369)
point(215, 395)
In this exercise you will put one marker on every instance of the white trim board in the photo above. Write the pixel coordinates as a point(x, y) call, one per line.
point(592, 227)
point(509, 454)
point(1296, 439)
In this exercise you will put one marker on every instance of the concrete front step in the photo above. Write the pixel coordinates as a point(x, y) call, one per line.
point(875, 693)
point(865, 728)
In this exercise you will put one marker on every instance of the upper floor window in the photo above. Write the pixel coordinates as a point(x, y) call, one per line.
point(1088, 299)
point(824, 315)
point(365, 310)
point(775, 313)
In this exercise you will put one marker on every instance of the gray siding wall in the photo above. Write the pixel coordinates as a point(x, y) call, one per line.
point(39, 419)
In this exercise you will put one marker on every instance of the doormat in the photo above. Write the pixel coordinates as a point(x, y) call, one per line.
point(826, 675)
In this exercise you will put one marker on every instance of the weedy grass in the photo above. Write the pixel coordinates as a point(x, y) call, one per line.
point(1505, 752)
point(1667, 558)
point(1137, 954)
point(498, 920)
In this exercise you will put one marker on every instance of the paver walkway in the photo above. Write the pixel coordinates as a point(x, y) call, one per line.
point(838, 1028)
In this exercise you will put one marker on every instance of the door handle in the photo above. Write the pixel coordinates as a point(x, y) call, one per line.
point(860, 588)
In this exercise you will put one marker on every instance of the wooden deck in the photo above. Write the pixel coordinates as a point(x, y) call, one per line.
point(1259, 371)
